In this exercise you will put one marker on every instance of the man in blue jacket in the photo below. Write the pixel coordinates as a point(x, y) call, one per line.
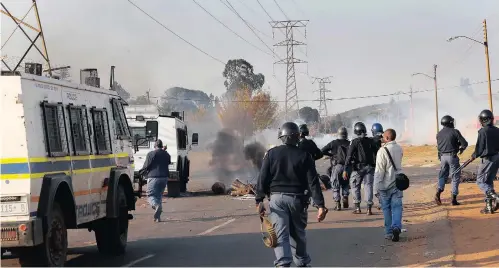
point(156, 169)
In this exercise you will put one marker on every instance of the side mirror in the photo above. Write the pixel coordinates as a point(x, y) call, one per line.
point(195, 138)
point(152, 130)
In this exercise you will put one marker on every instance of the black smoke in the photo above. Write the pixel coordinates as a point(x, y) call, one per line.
point(255, 153)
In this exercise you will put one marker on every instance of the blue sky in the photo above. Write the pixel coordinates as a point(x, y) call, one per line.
point(370, 47)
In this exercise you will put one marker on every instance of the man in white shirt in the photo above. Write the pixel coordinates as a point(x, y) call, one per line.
point(384, 183)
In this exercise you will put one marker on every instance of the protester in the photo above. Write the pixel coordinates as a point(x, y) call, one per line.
point(384, 183)
point(156, 169)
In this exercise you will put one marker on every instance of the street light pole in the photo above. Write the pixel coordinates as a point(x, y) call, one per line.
point(436, 95)
point(434, 78)
point(486, 44)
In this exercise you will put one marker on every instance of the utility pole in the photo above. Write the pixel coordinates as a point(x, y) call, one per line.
point(291, 102)
point(322, 96)
point(486, 44)
point(412, 111)
point(434, 78)
point(436, 96)
point(148, 93)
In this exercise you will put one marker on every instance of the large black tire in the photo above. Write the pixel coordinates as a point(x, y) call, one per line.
point(184, 179)
point(54, 249)
point(111, 234)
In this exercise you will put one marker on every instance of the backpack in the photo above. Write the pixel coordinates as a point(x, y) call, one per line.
point(341, 154)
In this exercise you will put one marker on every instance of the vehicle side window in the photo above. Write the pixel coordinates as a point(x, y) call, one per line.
point(54, 127)
point(78, 122)
point(101, 131)
point(120, 123)
point(181, 140)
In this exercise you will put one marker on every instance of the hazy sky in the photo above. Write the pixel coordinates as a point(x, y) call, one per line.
point(370, 47)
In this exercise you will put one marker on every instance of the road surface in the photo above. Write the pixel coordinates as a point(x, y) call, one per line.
point(207, 230)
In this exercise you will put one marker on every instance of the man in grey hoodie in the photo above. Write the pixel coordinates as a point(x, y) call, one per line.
point(384, 182)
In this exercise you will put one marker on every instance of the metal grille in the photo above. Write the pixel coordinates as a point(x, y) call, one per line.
point(54, 128)
point(9, 234)
point(79, 129)
point(118, 120)
point(101, 131)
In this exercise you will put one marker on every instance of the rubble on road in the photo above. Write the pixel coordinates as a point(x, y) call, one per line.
point(242, 189)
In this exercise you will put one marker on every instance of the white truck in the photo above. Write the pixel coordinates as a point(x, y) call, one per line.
point(66, 163)
point(172, 131)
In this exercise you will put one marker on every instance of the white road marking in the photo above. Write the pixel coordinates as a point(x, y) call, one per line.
point(216, 227)
point(408, 165)
point(138, 260)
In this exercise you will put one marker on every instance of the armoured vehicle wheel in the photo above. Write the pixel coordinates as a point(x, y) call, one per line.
point(54, 249)
point(112, 234)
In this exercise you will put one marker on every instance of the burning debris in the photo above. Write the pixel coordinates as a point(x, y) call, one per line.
point(241, 189)
point(237, 188)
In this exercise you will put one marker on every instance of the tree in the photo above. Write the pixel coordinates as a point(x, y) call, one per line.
point(246, 111)
point(239, 74)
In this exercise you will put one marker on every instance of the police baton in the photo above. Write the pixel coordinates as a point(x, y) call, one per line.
point(465, 164)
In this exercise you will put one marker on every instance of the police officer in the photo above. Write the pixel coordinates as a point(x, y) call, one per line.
point(287, 174)
point(377, 131)
point(308, 145)
point(360, 159)
point(450, 143)
point(487, 148)
point(337, 151)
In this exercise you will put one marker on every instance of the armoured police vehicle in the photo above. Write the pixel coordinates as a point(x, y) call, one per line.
point(172, 130)
point(66, 163)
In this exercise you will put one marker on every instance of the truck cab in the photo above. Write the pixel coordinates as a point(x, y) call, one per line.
point(173, 132)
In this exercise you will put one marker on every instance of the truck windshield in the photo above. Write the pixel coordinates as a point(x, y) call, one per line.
point(140, 133)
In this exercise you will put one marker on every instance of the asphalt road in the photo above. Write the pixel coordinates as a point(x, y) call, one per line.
point(207, 230)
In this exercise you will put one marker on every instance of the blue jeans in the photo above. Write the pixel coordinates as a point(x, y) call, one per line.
point(391, 202)
point(155, 189)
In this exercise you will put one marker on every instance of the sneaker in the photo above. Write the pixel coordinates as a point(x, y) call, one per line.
point(388, 236)
point(396, 235)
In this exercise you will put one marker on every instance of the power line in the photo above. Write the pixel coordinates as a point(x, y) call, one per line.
point(335, 99)
point(227, 27)
point(282, 11)
point(180, 37)
point(247, 24)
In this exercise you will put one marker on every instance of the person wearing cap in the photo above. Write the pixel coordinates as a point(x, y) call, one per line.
point(156, 170)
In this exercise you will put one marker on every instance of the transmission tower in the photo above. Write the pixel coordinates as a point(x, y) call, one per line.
point(291, 101)
point(19, 24)
point(322, 94)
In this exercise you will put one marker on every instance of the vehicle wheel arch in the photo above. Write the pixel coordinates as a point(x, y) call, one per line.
point(58, 188)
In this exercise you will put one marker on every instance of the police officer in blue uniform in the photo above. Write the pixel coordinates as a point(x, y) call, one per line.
point(286, 176)
point(450, 143)
point(361, 160)
point(377, 131)
point(337, 151)
point(487, 148)
point(307, 145)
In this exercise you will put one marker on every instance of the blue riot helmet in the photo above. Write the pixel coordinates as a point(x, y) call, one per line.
point(377, 129)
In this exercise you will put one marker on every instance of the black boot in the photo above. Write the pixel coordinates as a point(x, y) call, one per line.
point(495, 196)
point(357, 209)
point(338, 206)
point(488, 206)
point(345, 202)
point(369, 210)
point(437, 197)
point(454, 200)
